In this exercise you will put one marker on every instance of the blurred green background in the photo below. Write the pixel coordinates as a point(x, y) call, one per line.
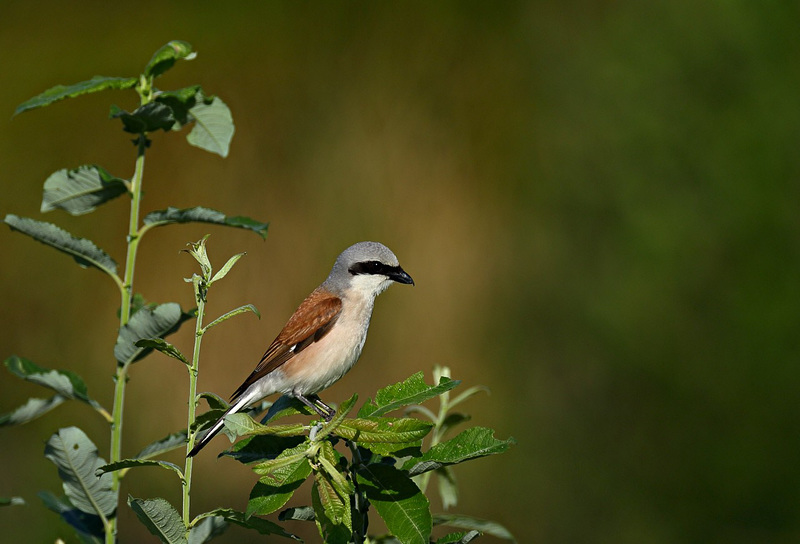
point(598, 202)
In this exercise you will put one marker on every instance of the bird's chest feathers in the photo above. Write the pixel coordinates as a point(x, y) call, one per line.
point(324, 362)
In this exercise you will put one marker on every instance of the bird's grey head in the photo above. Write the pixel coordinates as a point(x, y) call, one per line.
point(368, 266)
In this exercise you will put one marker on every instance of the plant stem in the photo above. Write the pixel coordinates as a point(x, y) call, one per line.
point(436, 437)
point(121, 376)
point(199, 293)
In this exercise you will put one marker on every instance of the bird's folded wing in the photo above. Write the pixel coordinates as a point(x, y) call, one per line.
point(310, 322)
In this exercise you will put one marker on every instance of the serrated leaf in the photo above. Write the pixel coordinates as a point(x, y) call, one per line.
point(132, 463)
point(148, 118)
point(232, 313)
point(213, 129)
point(275, 469)
point(385, 435)
point(166, 56)
point(469, 444)
point(203, 215)
point(329, 513)
point(299, 513)
point(12, 501)
point(207, 529)
point(89, 527)
point(160, 518)
point(413, 390)
point(82, 250)
point(164, 347)
point(60, 92)
point(147, 323)
point(278, 483)
point(80, 190)
point(77, 461)
point(328, 463)
point(169, 443)
point(263, 526)
point(33, 408)
point(467, 522)
point(398, 500)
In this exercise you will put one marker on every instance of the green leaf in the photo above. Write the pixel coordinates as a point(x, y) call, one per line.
point(64, 382)
point(215, 402)
point(459, 538)
point(385, 435)
point(286, 406)
point(275, 469)
point(148, 118)
point(207, 529)
point(474, 524)
point(12, 501)
point(88, 526)
point(398, 500)
point(470, 444)
point(413, 390)
point(213, 129)
point(337, 419)
point(148, 323)
point(180, 102)
point(227, 268)
point(169, 443)
point(166, 56)
point(234, 312)
point(299, 513)
point(263, 526)
point(243, 425)
point(131, 463)
point(203, 215)
point(60, 92)
point(199, 253)
point(77, 461)
point(164, 347)
point(81, 190)
point(278, 484)
point(160, 518)
point(448, 489)
point(261, 448)
point(29, 411)
point(83, 251)
point(331, 512)
point(328, 460)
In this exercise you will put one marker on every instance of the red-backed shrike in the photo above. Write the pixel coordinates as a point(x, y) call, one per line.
point(324, 337)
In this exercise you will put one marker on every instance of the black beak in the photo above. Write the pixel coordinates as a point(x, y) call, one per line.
point(399, 275)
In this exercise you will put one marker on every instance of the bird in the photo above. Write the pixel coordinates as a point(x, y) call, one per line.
point(323, 338)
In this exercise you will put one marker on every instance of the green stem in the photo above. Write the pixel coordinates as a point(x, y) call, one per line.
point(199, 293)
point(436, 437)
point(121, 376)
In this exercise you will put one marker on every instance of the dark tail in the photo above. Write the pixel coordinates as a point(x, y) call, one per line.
point(216, 427)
